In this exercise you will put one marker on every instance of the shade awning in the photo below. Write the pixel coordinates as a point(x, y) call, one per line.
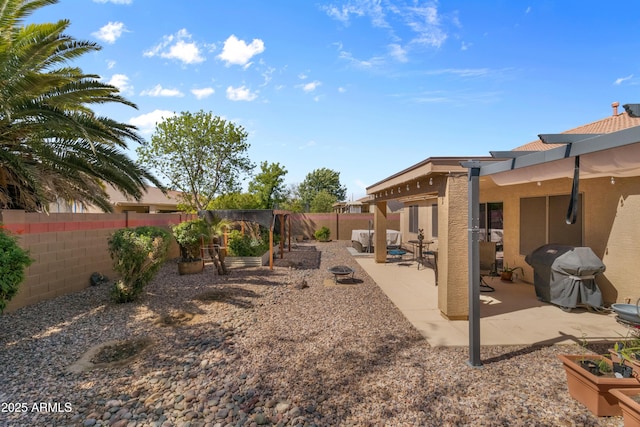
point(617, 162)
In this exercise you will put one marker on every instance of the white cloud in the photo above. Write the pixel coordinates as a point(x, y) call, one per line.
point(623, 79)
point(427, 28)
point(121, 81)
point(362, 63)
point(203, 92)
point(425, 22)
point(110, 32)
point(398, 52)
point(342, 89)
point(146, 123)
point(343, 14)
point(241, 93)
point(177, 46)
point(528, 10)
point(158, 90)
point(309, 144)
point(111, 64)
point(114, 1)
point(237, 52)
point(311, 86)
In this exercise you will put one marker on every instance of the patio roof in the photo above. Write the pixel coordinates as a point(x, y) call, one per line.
point(615, 154)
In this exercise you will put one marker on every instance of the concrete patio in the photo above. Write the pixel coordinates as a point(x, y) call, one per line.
point(512, 315)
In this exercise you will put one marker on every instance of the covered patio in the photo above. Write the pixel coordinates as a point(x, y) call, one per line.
point(511, 315)
point(593, 177)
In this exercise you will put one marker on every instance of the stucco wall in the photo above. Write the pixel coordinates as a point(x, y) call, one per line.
point(453, 276)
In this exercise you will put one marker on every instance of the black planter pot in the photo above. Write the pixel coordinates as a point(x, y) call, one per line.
point(624, 370)
point(590, 366)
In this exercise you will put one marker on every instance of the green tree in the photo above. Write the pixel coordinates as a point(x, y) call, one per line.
point(200, 154)
point(234, 201)
point(322, 179)
point(292, 200)
point(322, 202)
point(52, 144)
point(268, 185)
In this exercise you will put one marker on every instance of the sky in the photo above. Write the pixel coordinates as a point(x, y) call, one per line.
point(363, 87)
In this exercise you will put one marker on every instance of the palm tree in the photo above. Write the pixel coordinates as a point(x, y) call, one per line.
point(52, 144)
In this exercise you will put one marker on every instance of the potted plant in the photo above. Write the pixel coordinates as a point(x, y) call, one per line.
point(507, 272)
point(189, 236)
point(590, 379)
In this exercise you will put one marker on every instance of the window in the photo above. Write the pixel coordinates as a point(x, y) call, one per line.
point(542, 221)
point(413, 219)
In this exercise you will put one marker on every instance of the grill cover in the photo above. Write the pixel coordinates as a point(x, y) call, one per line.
point(565, 275)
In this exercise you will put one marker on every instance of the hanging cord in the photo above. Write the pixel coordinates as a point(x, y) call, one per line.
point(572, 212)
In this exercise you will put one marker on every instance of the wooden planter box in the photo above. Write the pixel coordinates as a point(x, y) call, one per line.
point(247, 261)
point(628, 402)
point(591, 390)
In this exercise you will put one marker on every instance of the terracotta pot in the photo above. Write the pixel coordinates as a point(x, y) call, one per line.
point(629, 402)
point(506, 275)
point(591, 390)
point(190, 267)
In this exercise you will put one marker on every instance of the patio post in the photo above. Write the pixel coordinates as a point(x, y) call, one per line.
point(474, 263)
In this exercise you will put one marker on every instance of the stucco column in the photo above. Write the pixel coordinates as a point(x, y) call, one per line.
point(380, 231)
point(453, 279)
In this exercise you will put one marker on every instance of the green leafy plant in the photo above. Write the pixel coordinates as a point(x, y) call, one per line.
point(137, 254)
point(245, 245)
point(13, 261)
point(322, 235)
point(189, 235)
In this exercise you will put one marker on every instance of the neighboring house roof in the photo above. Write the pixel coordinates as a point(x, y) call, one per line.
point(153, 196)
point(613, 123)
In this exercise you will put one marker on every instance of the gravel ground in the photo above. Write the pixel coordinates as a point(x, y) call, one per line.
point(261, 347)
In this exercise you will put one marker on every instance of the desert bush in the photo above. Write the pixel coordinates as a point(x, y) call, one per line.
point(137, 254)
point(13, 261)
point(322, 235)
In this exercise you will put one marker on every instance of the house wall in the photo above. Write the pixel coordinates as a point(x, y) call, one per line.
point(611, 227)
point(67, 248)
point(425, 214)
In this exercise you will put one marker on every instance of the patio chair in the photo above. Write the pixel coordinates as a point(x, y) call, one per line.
point(487, 264)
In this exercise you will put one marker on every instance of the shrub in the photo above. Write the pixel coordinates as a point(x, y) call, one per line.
point(322, 234)
point(245, 245)
point(189, 235)
point(137, 254)
point(13, 261)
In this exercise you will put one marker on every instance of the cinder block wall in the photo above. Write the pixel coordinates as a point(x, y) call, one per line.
point(67, 248)
point(340, 225)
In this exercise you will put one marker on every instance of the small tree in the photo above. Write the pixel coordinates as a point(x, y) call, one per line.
point(268, 185)
point(137, 254)
point(13, 261)
point(322, 179)
point(200, 154)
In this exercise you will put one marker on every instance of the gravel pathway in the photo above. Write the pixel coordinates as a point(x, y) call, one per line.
point(261, 347)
